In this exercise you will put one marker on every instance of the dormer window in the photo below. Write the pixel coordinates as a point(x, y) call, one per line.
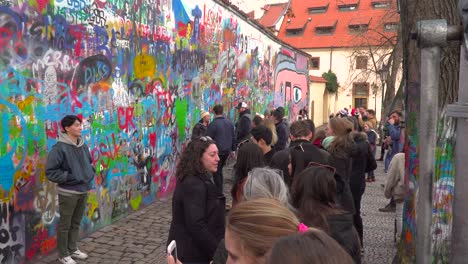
point(295, 27)
point(359, 25)
point(380, 4)
point(348, 5)
point(294, 32)
point(358, 28)
point(325, 27)
point(318, 8)
point(391, 26)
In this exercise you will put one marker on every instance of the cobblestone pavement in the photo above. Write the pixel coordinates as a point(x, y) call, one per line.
point(140, 238)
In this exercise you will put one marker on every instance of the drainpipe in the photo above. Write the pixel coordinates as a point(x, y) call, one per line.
point(459, 253)
point(431, 36)
point(331, 57)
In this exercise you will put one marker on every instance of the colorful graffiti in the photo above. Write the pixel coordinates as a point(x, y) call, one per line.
point(443, 184)
point(138, 73)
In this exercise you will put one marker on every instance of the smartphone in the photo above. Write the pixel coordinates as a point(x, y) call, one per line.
point(172, 250)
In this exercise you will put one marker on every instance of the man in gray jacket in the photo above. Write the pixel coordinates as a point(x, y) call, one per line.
point(69, 165)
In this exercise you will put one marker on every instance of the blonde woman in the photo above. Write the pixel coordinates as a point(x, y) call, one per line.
point(271, 125)
point(254, 226)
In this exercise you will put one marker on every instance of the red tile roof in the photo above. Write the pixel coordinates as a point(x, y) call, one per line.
point(272, 14)
point(326, 23)
point(295, 23)
point(318, 3)
point(342, 36)
point(357, 21)
point(317, 79)
point(251, 14)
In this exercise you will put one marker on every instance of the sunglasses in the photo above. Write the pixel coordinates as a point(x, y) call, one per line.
point(205, 138)
point(316, 164)
point(242, 143)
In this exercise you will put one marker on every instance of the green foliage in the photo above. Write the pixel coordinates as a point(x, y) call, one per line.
point(332, 82)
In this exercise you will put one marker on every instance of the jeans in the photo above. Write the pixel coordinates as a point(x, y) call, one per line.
point(388, 158)
point(218, 177)
point(71, 209)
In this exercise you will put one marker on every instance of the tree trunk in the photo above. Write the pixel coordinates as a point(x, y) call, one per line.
point(411, 12)
point(395, 61)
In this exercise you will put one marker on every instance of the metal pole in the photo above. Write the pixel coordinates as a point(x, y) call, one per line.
point(382, 108)
point(460, 204)
point(430, 71)
point(432, 34)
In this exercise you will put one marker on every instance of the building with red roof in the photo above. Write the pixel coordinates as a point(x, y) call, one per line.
point(273, 16)
point(352, 38)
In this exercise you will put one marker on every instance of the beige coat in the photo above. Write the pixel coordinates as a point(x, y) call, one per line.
point(395, 185)
point(372, 121)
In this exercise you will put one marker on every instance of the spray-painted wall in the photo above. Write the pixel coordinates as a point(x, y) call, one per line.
point(443, 182)
point(138, 72)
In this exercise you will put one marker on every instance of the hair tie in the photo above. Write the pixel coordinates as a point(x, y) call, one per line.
point(303, 228)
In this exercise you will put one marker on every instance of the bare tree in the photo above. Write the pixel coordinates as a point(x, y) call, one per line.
point(384, 50)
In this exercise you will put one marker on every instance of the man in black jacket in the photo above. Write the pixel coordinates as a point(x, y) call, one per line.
point(244, 124)
point(300, 135)
point(304, 152)
point(262, 136)
point(221, 130)
point(281, 129)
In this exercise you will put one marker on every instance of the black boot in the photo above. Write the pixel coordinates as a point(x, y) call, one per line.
point(390, 207)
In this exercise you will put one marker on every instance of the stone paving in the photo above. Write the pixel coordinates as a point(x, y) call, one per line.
point(141, 236)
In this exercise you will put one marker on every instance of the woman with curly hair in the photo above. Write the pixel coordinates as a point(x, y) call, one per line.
point(197, 205)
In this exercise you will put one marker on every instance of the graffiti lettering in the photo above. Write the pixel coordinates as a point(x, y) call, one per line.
point(125, 117)
point(11, 242)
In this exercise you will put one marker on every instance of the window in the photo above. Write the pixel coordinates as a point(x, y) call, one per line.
point(348, 7)
point(294, 32)
point(361, 62)
point(361, 89)
point(315, 63)
point(381, 4)
point(358, 28)
point(392, 26)
point(324, 31)
point(360, 94)
point(318, 9)
point(360, 102)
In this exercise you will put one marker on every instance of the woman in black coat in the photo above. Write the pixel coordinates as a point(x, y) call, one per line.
point(197, 205)
point(362, 161)
point(313, 194)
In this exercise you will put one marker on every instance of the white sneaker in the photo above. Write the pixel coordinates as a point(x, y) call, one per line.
point(79, 255)
point(67, 260)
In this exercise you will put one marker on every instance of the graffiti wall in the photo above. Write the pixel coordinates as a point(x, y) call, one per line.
point(138, 72)
point(443, 183)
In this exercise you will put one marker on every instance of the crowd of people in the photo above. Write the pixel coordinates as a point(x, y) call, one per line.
point(296, 192)
point(296, 195)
